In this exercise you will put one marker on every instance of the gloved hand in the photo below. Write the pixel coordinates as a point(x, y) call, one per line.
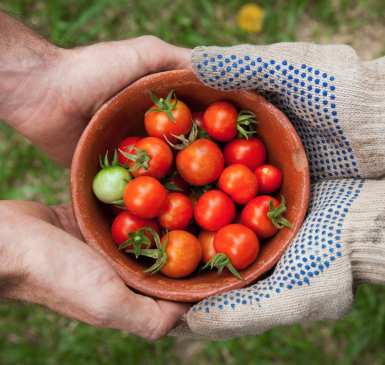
point(336, 103)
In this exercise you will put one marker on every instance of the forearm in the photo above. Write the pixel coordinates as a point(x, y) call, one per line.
point(27, 63)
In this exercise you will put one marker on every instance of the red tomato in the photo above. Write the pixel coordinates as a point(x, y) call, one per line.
point(127, 222)
point(197, 118)
point(214, 210)
point(178, 182)
point(239, 243)
point(206, 239)
point(130, 141)
point(184, 252)
point(201, 163)
point(220, 121)
point(239, 182)
point(249, 152)
point(145, 197)
point(254, 216)
point(178, 212)
point(269, 178)
point(160, 158)
point(158, 123)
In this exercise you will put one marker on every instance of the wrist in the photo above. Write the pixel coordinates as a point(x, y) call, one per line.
point(28, 65)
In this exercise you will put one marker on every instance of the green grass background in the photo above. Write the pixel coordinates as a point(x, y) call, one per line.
point(32, 336)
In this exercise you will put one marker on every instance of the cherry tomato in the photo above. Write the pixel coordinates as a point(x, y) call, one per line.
point(160, 158)
point(206, 239)
point(184, 252)
point(124, 146)
point(201, 163)
point(239, 243)
point(269, 178)
point(158, 123)
point(254, 216)
point(145, 197)
point(220, 121)
point(126, 222)
point(110, 182)
point(177, 181)
point(214, 210)
point(178, 212)
point(239, 182)
point(197, 118)
point(249, 152)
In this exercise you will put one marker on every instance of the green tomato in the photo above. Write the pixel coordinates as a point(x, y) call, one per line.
point(109, 184)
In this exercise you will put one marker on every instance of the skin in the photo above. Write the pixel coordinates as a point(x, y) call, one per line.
point(49, 95)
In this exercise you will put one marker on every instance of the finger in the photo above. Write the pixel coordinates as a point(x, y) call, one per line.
point(157, 55)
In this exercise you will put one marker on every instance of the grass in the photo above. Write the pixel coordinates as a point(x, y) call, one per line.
point(34, 336)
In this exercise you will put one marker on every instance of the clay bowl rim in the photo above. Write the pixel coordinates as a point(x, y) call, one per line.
point(158, 291)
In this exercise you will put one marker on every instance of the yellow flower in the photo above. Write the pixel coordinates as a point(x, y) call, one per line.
point(250, 18)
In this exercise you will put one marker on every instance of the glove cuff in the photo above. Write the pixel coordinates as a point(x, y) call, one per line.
point(364, 233)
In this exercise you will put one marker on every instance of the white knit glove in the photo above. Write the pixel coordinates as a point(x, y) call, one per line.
point(336, 103)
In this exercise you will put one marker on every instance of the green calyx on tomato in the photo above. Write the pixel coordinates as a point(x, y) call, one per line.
point(136, 239)
point(245, 119)
point(141, 158)
point(185, 142)
point(220, 260)
point(110, 182)
point(158, 253)
point(202, 134)
point(164, 105)
point(166, 182)
point(275, 215)
point(198, 191)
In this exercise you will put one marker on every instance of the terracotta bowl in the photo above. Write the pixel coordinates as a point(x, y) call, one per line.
point(123, 116)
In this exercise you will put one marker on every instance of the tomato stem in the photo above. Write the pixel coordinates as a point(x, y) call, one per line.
point(166, 182)
point(158, 254)
point(220, 260)
point(141, 158)
point(185, 142)
point(164, 105)
point(275, 215)
point(136, 239)
point(245, 118)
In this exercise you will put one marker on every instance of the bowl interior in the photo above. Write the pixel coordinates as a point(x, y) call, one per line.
point(123, 116)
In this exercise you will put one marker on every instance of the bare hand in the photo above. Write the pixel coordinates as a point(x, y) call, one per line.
point(42, 249)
